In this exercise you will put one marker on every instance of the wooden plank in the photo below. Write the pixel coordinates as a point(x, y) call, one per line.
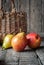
point(2, 55)
point(9, 57)
point(28, 13)
point(28, 58)
point(6, 5)
point(12, 57)
point(42, 15)
point(41, 34)
point(42, 44)
point(0, 4)
point(35, 15)
point(3, 5)
point(22, 5)
point(17, 5)
point(40, 54)
point(12, 63)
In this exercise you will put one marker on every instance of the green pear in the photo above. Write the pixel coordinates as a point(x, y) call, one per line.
point(7, 41)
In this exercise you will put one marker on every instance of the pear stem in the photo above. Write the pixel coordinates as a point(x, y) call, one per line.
point(20, 30)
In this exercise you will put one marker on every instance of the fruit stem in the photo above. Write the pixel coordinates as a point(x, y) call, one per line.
point(20, 30)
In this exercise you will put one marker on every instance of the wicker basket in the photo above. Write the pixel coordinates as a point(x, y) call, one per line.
point(11, 22)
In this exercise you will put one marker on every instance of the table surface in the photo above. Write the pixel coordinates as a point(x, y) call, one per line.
point(27, 57)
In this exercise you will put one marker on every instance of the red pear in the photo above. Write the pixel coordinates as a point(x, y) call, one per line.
point(19, 41)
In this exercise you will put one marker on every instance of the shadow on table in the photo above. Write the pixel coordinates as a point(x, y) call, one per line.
point(30, 50)
point(2, 62)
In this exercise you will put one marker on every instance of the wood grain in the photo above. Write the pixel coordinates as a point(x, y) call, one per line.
point(11, 57)
point(40, 54)
point(42, 15)
point(35, 15)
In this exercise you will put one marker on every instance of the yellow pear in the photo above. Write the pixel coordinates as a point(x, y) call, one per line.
point(7, 41)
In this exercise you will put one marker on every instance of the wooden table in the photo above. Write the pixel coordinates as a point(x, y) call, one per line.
point(27, 57)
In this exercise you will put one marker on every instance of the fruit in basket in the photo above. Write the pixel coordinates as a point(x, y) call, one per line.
point(7, 41)
point(34, 40)
point(19, 41)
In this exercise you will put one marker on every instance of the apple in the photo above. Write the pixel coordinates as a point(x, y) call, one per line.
point(19, 42)
point(34, 40)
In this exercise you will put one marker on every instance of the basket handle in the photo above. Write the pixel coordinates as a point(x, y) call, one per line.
point(12, 3)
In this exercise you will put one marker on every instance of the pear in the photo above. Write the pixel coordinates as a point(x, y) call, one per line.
point(7, 41)
point(19, 41)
